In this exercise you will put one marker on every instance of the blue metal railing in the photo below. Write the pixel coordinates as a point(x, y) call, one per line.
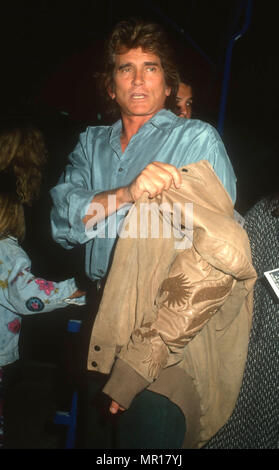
point(245, 4)
point(228, 60)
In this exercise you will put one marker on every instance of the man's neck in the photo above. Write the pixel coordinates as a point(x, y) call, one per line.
point(130, 126)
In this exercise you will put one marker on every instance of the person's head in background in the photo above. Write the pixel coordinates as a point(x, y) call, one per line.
point(22, 157)
point(184, 99)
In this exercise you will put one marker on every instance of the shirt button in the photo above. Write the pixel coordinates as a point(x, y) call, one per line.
point(94, 364)
point(97, 348)
point(120, 169)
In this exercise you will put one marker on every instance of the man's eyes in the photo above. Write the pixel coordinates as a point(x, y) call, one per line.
point(128, 69)
point(125, 69)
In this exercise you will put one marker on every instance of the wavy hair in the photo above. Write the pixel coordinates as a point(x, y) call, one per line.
point(12, 222)
point(132, 34)
point(22, 157)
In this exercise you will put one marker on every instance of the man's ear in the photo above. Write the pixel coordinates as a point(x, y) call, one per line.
point(168, 91)
point(110, 92)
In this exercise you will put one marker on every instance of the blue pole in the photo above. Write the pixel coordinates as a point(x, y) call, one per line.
point(227, 68)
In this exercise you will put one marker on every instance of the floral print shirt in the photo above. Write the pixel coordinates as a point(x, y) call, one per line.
point(21, 293)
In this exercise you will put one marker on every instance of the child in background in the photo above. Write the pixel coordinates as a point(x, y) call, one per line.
point(22, 156)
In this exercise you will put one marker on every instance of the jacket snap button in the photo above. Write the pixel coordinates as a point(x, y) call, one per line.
point(94, 364)
point(97, 348)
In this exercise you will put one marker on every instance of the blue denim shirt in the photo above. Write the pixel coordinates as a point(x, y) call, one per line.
point(21, 293)
point(98, 164)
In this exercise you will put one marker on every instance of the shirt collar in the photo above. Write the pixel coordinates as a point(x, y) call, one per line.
point(164, 120)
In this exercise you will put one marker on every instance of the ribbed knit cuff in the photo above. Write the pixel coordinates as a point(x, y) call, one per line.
point(124, 384)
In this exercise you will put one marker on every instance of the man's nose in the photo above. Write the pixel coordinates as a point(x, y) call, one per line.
point(138, 77)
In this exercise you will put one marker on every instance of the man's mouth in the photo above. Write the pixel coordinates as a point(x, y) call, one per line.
point(138, 96)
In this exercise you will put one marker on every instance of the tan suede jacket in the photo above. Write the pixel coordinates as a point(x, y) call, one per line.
point(177, 306)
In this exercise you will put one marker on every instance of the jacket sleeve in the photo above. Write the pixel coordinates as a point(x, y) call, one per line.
point(187, 299)
point(71, 198)
point(25, 293)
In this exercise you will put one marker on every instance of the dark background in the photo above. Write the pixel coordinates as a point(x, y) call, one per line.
point(50, 51)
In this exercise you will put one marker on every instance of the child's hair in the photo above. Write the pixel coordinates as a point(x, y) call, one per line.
point(22, 156)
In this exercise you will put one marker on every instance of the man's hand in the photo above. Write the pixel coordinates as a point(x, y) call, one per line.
point(153, 179)
point(115, 407)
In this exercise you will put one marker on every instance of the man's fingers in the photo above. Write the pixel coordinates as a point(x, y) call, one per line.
point(115, 407)
point(155, 178)
point(165, 169)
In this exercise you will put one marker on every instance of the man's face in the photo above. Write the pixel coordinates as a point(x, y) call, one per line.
point(139, 84)
point(184, 100)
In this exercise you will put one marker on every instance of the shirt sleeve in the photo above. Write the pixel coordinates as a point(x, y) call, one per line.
point(28, 294)
point(221, 163)
point(71, 198)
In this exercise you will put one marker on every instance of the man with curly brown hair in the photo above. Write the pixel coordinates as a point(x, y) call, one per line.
point(113, 166)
